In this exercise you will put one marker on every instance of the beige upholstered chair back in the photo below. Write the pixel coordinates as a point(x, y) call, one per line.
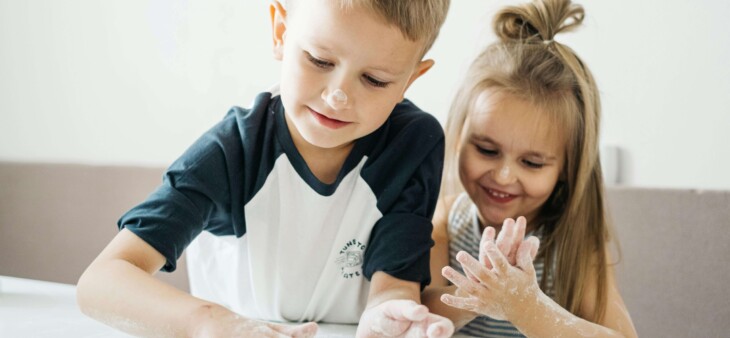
point(55, 218)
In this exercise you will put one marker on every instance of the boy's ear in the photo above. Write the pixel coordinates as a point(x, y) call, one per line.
point(278, 27)
point(421, 69)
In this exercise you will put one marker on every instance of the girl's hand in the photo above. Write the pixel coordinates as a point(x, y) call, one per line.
point(215, 321)
point(509, 239)
point(403, 318)
point(500, 292)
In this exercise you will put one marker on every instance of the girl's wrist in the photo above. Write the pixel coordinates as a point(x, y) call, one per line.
point(528, 307)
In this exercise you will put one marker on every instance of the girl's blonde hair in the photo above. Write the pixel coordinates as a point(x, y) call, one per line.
point(528, 64)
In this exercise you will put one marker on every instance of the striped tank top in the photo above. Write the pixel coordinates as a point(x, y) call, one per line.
point(465, 235)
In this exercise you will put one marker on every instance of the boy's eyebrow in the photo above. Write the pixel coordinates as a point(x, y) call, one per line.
point(383, 69)
point(487, 139)
point(386, 70)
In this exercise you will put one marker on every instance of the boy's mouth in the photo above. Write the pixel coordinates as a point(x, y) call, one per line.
point(326, 121)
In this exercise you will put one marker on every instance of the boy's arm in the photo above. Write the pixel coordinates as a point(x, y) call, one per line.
point(118, 289)
point(393, 310)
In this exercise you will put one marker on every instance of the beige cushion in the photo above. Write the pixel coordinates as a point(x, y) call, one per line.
point(55, 218)
point(675, 248)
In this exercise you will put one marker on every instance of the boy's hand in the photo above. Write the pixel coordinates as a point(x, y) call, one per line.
point(403, 318)
point(215, 321)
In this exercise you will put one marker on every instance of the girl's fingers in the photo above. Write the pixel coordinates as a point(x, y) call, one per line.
point(455, 277)
point(487, 236)
point(471, 277)
point(470, 264)
point(534, 247)
point(463, 283)
point(520, 228)
point(506, 235)
point(469, 304)
point(500, 263)
point(526, 254)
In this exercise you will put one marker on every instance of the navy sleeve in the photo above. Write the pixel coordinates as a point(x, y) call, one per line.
point(196, 194)
point(400, 242)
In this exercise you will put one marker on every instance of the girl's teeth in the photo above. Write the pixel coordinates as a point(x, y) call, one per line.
point(498, 194)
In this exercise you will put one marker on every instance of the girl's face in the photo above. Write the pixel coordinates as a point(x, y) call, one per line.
point(510, 159)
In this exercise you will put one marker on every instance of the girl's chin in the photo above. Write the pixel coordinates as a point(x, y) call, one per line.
point(494, 219)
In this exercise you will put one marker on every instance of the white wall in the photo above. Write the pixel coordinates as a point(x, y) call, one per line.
point(135, 82)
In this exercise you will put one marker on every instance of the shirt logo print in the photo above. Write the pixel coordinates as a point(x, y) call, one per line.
point(350, 259)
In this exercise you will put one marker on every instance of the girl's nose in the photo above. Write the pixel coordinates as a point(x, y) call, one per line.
point(504, 175)
point(337, 99)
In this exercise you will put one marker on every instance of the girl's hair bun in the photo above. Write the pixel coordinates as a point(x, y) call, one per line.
point(537, 21)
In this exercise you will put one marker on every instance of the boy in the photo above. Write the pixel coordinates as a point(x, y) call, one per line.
point(304, 197)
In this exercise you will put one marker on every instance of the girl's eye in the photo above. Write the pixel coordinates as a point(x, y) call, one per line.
point(375, 82)
point(534, 165)
point(486, 151)
point(319, 62)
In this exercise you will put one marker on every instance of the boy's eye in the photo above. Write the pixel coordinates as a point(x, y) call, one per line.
point(319, 62)
point(487, 151)
point(532, 164)
point(375, 82)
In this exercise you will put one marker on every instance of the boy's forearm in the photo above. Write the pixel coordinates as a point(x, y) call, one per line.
point(125, 297)
point(387, 290)
point(431, 297)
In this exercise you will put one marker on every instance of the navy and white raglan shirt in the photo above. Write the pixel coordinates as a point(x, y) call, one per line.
point(270, 241)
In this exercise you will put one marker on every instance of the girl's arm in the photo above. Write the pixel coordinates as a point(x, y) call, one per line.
point(431, 296)
point(118, 289)
point(616, 322)
point(511, 293)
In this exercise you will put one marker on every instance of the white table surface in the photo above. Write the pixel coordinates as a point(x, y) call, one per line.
point(31, 308)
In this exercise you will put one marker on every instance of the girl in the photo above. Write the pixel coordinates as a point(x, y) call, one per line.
point(522, 135)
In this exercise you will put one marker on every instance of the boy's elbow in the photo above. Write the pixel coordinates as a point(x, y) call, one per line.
point(89, 289)
point(83, 291)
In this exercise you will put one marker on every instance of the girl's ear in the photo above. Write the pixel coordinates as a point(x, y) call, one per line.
point(278, 27)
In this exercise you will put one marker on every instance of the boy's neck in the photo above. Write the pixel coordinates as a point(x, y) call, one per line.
point(324, 163)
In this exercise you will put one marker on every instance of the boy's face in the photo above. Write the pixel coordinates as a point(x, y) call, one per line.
point(342, 71)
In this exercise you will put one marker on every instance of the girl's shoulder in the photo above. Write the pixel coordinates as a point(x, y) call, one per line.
point(442, 215)
point(460, 208)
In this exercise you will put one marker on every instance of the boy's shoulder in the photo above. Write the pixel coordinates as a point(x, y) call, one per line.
point(410, 119)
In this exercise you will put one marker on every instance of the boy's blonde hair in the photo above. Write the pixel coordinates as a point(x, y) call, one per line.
point(418, 20)
point(528, 64)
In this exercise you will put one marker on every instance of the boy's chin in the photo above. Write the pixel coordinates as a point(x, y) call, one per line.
point(328, 142)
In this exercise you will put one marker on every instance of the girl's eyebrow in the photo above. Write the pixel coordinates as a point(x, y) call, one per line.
point(532, 153)
point(541, 156)
point(483, 138)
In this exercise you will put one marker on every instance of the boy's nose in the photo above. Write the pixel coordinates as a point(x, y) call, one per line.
point(337, 99)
